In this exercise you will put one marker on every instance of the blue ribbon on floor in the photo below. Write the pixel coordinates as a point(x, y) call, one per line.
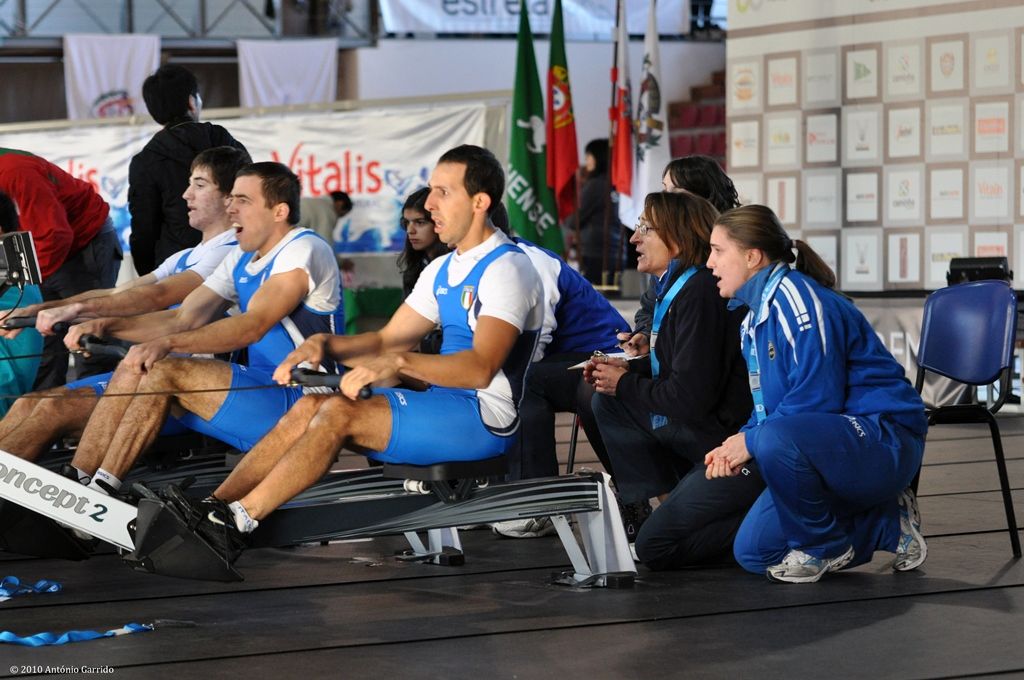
point(45, 639)
point(11, 586)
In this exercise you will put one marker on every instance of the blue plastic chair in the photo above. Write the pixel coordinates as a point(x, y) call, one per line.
point(967, 334)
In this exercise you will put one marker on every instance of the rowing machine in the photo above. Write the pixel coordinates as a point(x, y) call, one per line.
point(408, 499)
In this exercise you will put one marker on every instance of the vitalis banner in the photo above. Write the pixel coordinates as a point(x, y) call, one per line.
point(377, 156)
point(584, 19)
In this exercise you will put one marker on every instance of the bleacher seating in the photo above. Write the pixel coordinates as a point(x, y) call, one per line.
point(698, 126)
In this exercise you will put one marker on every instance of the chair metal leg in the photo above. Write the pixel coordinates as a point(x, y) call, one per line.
point(572, 444)
point(1004, 486)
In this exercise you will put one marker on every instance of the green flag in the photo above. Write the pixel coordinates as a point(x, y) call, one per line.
point(530, 201)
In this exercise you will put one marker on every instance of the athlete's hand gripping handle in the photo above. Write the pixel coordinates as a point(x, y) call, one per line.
point(307, 377)
point(90, 344)
point(18, 322)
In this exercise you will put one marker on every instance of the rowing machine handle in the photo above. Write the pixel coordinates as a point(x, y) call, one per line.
point(30, 322)
point(19, 322)
point(99, 347)
point(307, 377)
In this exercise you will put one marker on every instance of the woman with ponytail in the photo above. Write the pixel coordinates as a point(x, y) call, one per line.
point(837, 430)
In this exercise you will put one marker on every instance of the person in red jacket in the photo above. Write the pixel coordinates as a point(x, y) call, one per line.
point(75, 241)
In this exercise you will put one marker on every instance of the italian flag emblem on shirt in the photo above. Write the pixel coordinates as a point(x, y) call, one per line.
point(467, 297)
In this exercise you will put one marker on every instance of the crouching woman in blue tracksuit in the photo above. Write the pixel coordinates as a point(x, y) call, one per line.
point(837, 430)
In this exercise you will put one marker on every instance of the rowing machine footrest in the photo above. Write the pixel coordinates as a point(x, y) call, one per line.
point(446, 557)
point(451, 481)
point(621, 580)
point(165, 545)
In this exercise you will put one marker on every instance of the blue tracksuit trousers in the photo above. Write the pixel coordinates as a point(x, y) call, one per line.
point(833, 481)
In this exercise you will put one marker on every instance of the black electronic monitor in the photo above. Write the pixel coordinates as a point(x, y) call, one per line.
point(978, 269)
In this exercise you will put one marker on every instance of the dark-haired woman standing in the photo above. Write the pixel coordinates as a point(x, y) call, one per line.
point(421, 246)
point(598, 222)
point(837, 430)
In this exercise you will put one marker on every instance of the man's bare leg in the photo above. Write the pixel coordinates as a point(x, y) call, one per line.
point(102, 424)
point(338, 422)
point(20, 411)
point(33, 425)
point(261, 459)
point(116, 446)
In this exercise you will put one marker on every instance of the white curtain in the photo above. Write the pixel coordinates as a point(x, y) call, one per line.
point(274, 73)
point(103, 74)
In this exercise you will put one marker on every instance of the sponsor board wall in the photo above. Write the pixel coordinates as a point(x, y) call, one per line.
point(379, 156)
point(889, 134)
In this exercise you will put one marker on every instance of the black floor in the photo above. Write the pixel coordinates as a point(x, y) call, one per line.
point(349, 610)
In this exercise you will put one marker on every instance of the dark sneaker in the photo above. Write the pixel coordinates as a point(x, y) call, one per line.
point(184, 505)
point(210, 519)
point(911, 551)
point(633, 517)
point(217, 528)
point(799, 567)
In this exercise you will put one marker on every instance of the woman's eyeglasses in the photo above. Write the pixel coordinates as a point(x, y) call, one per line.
point(643, 228)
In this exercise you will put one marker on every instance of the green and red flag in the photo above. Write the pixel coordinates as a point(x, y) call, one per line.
point(529, 199)
point(563, 156)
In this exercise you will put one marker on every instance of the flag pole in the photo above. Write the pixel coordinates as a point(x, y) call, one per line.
point(561, 147)
point(612, 118)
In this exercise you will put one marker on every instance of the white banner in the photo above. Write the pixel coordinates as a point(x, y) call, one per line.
point(652, 152)
point(378, 156)
point(276, 73)
point(584, 19)
point(103, 74)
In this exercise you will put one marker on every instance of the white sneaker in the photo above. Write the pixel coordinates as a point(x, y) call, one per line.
point(912, 550)
point(533, 527)
point(799, 567)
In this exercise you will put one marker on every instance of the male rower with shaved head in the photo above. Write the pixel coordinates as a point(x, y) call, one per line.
point(487, 297)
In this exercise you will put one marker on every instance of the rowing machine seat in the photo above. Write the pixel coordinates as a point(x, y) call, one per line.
point(450, 482)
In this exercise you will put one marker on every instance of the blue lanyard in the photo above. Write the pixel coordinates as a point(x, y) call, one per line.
point(661, 308)
point(750, 352)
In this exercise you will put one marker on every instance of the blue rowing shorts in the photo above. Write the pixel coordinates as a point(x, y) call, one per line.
point(246, 416)
point(440, 425)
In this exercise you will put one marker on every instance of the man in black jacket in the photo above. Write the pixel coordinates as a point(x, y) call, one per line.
point(158, 175)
